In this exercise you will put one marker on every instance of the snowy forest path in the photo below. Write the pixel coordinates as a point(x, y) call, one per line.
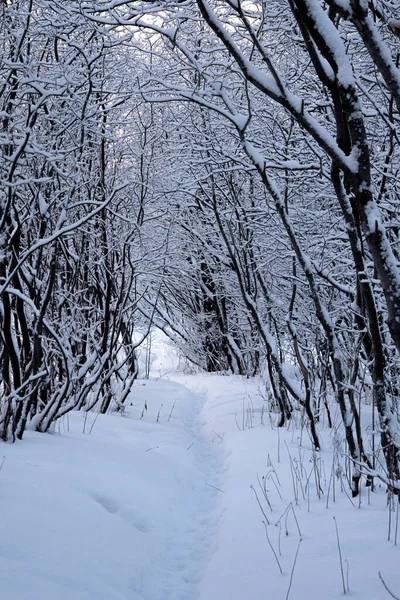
point(113, 508)
point(158, 503)
point(221, 420)
point(192, 534)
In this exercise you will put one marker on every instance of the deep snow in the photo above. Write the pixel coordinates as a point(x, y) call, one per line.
point(158, 505)
point(122, 513)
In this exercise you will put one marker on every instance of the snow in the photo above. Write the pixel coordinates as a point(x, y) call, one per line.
point(374, 223)
point(121, 512)
point(384, 50)
point(243, 564)
point(333, 40)
point(157, 504)
point(43, 206)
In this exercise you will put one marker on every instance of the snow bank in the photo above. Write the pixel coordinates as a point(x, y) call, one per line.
point(125, 512)
point(168, 501)
point(244, 565)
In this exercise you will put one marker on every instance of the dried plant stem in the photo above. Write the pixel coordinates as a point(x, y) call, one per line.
point(259, 504)
point(347, 575)
point(94, 422)
point(329, 486)
point(264, 491)
point(297, 523)
point(272, 548)
point(340, 556)
point(390, 515)
point(386, 587)
point(172, 410)
point(84, 421)
point(293, 568)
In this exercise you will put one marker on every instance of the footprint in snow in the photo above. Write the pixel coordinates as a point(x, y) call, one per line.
point(127, 513)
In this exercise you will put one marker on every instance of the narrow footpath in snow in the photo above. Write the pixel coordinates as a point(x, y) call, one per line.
point(112, 507)
point(280, 503)
point(191, 494)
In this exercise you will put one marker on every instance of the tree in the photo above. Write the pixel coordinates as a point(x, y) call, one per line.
point(239, 70)
point(69, 285)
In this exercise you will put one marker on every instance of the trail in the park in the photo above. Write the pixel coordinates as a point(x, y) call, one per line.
point(173, 500)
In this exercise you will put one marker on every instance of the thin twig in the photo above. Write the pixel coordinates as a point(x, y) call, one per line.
point(264, 491)
point(172, 410)
point(152, 448)
point(340, 556)
point(272, 548)
point(297, 523)
point(386, 587)
point(215, 488)
point(294, 565)
point(259, 504)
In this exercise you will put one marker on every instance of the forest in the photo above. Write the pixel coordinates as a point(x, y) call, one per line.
point(226, 171)
point(199, 299)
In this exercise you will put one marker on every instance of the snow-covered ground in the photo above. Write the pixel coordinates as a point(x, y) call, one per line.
point(168, 501)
